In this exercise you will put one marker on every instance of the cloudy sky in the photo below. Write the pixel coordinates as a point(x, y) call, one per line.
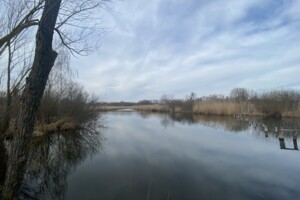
point(175, 47)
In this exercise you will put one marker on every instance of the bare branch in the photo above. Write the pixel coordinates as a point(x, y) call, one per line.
point(78, 26)
point(24, 23)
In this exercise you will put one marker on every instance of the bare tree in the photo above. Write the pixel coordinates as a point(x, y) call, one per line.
point(191, 97)
point(35, 84)
point(239, 94)
point(18, 16)
point(19, 59)
point(14, 42)
point(165, 99)
point(56, 16)
point(6, 117)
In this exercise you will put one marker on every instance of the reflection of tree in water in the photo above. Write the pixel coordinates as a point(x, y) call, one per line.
point(144, 115)
point(166, 121)
point(259, 126)
point(226, 122)
point(165, 118)
point(274, 126)
point(52, 158)
point(183, 118)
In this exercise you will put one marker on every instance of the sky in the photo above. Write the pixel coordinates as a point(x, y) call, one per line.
point(176, 47)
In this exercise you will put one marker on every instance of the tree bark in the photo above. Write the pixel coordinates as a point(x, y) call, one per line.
point(2, 164)
point(30, 100)
point(6, 118)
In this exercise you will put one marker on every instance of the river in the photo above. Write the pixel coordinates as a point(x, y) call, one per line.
point(158, 156)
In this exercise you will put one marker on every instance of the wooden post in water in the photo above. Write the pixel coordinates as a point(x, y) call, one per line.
point(266, 131)
point(295, 142)
point(281, 141)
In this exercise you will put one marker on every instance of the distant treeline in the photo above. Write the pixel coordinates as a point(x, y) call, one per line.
point(126, 103)
point(240, 101)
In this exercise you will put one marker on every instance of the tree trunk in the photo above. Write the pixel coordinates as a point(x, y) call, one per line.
point(6, 118)
point(2, 164)
point(30, 100)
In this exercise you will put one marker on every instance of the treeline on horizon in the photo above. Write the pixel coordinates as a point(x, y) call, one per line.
point(273, 103)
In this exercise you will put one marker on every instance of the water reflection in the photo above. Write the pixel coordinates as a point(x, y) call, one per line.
point(53, 157)
point(287, 127)
point(285, 130)
point(160, 156)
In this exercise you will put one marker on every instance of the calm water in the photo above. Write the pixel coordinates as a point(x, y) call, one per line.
point(151, 156)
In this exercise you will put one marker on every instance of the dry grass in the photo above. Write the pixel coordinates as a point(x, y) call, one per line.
point(178, 110)
point(229, 108)
point(233, 108)
point(152, 108)
point(148, 108)
point(217, 108)
point(110, 108)
point(66, 124)
point(292, 114)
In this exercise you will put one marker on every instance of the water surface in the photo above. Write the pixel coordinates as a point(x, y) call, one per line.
point(154, 156)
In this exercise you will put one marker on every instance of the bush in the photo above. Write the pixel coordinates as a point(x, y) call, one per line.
point(281, 102)
point(71, 102)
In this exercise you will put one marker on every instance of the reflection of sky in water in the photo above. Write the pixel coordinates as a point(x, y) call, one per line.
point(184, 161)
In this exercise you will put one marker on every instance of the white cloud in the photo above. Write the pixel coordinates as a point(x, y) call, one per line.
point(176, 47)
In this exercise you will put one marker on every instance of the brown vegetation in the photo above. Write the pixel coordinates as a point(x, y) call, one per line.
point(274, 104)
point(152, 108)
point(62, 125)
point(61, 109)
point(216, 108)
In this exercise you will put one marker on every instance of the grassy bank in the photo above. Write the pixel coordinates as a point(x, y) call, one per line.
point(233, 108)
point(206, 108)
point(60, 110)
point(274, 104)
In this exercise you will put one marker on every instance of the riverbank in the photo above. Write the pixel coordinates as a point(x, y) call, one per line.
point(207, 108)
point(273, 104)
point(63, 125)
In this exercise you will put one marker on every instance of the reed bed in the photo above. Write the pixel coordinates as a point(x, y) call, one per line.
point(217, 108)
point(152, 108)
point(226, 108)
point(110, 108)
